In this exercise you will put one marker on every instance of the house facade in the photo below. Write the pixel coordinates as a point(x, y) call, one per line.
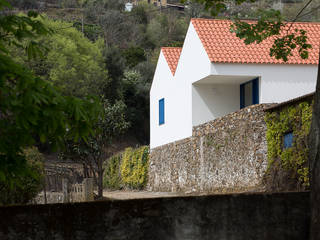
point(215, 74)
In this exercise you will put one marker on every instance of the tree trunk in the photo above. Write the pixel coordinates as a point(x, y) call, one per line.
point(100, 179)
point(314, 161)
point(82, 27)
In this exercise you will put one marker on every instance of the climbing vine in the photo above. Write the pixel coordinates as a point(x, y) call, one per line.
point(134, 167)
point(112, 178)
point(294, 159)
point(128, 169)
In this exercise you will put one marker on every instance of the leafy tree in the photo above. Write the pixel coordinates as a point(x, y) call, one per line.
point(24, 4)
point(115, 63)
point(72, 62)
point(133, 56)
point(136, 97)
point(31, 109)
point(93, 152)
point(167, 29)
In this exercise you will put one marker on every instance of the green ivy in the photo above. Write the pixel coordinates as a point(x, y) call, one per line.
point(294, 159)
point(112, 178)
point(128, 169)
point(134, 167)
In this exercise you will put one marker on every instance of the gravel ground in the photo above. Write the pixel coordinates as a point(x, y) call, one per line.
point(122, 195)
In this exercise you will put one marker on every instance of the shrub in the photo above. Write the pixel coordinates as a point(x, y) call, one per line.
point(112, 178)
point(128, 169)
point(134, 167)
point(25, 186)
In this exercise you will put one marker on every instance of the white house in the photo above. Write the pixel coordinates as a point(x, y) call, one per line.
point(215, 73)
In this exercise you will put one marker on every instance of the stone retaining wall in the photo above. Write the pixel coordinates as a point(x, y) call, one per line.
point(228, 154)
point(241, 217)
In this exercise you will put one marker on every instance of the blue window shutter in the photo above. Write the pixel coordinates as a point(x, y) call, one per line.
point(288, 140)
point(241, 96)
point(255, 91)
point(161, 111)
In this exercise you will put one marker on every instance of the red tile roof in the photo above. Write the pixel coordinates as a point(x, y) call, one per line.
point(172, 55)
point(223, 46)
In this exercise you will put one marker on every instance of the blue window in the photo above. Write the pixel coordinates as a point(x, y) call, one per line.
point(161, 111)
point(249, 93)
point(288, 140)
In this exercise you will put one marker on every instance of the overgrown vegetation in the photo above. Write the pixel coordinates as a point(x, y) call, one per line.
point(23, 188)
point(291, 162)
point(128, 169)
point(32, 110)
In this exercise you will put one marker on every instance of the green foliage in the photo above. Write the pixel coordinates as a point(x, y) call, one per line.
point(128, 169)
point(283, 46)
point(112, 177)
point(93, 152)
point(295, 159)
point(72, 62)
point(134, 167)
point(115, 64)
point(136, 94)
point(166, 30)
point(26, 185)
point(134, 55)
point(217, 6)
point(132, 41)
point(31, 108)
point(24, 4)
point(92, 31)
point(270, 23)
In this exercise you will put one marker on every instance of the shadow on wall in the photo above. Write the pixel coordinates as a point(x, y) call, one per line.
point(247, 216)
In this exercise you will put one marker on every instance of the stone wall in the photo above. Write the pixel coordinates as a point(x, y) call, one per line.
point(240, 217)
point(228, 154)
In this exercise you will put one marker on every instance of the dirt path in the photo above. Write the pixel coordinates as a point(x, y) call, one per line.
point(122, 195)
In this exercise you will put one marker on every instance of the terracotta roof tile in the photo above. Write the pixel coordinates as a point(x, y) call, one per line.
point(172, 55)
point(223, 46)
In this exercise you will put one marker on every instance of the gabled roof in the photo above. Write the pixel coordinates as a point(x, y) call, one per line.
point(172, 55)
point(223, 46)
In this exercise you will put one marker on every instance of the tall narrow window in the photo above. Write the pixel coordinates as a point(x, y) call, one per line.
point(249, 93)
point(161, 111)
point(288, 140)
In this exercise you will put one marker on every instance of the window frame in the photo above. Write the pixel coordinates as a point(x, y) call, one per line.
point(255, 92)
point(161, 111)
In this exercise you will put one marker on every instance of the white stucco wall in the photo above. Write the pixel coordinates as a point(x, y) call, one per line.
point(177, 91)
point(278, 83)
point(160, 89)
point(213, 101)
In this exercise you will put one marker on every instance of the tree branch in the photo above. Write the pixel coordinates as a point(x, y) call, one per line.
point(297, 16)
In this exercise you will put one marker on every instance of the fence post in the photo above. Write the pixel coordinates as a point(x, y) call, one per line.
point(88, 189)
point(65, 190)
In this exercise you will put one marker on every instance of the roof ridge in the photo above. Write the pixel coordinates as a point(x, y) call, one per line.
point(248, 20)
point(171, 47)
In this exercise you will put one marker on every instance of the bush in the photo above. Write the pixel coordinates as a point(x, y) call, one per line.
point(134, 167)
point(128, 169)
point(112, 178)
point(25, 186)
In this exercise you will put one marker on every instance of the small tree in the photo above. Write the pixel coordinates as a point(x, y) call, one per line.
point(93, 152)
